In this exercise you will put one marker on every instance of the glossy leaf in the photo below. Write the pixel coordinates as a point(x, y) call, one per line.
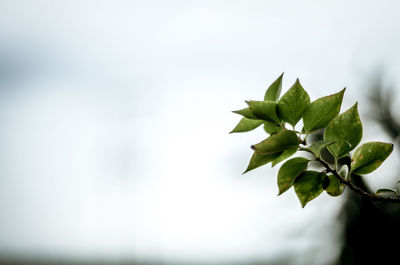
point(246, 125)
point(317, 147)
point(277, 143)
point(321, 111)
point(332, 185)
point(271, 127)
point(285, 154)
point(289, 171)
point(370, 156)
point(274, 90)
point(246, 112)
point(265, 110)
point(308, 185)
point(258, 160)
point(293, 103)
point(346, 131)
point(380, 191)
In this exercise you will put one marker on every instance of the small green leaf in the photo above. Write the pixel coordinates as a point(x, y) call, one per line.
point(274, 90)
point(293, 103)
point(321, 111)
point(346, 131)
point(265, 110)
point(370, 156)
point(317, 147)
point(246, 125)
point(285, 154)
point(272, 128)
point(332, 185)
point(308, 185)
point(246, 112)
point(380, 191)
point(258, 160)
point(276, 143)
point(289, 171)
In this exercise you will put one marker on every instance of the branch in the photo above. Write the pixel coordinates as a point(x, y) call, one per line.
point(361, 192)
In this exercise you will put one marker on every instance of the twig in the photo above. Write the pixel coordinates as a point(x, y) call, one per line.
point(361, 192)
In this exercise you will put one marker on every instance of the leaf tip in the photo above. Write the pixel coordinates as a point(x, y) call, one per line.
point(391, 149)
point(247, 170)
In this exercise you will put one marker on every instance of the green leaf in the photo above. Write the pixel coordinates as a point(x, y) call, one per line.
point(321, 111)
point(258, 160)
point(317, 147)
point(265, 110)
point(246, 125)
point(276, 143)
point(370, 156)
point(274, 90)
point(308, 185)
point(246, 112)
point(272, 128)
point(285, 154)
point(380, 191)
point(332, 185)
point(346, 131)
point(289, 171)
point(293, 103)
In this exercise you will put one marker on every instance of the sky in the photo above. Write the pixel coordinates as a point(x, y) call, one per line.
point(115, 118)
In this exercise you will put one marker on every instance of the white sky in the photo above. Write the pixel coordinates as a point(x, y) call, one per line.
point(114, 133)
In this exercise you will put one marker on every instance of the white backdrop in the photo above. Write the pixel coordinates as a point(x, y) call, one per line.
point(115, 118)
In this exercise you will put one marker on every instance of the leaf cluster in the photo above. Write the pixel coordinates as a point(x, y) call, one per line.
point(342, 134)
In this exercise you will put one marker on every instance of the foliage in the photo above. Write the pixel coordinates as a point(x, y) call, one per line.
point(342, 134)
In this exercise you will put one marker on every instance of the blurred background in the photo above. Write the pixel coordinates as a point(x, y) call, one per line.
point(114, 130)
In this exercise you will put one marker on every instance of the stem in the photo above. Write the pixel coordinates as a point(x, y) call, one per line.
point(361, 192)
point(302, 141)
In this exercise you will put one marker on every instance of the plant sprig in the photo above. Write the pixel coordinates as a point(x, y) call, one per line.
point(342, 134)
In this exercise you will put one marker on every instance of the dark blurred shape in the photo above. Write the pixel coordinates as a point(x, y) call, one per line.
point(372, 227)
point(381, 103)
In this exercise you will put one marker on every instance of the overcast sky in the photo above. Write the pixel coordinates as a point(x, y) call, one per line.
point(115, 118)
